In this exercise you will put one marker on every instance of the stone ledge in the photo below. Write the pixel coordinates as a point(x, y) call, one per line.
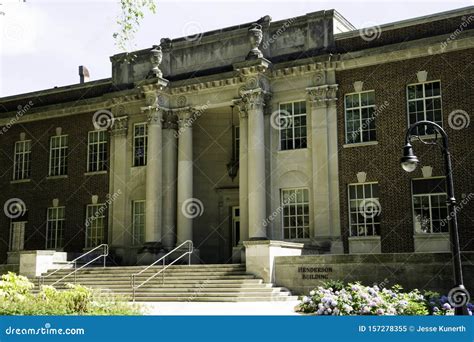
point(274, 243)
point(381, 258)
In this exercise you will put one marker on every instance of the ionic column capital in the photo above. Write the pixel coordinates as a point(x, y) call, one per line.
point(323, 95)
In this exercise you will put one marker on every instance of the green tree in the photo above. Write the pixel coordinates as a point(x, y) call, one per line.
point(129, 19)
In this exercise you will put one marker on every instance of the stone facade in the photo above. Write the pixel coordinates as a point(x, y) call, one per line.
point(191, 94)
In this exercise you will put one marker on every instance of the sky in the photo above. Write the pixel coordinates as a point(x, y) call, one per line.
point(42, 42)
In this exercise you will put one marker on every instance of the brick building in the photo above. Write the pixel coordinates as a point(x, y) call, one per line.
point(280, 130)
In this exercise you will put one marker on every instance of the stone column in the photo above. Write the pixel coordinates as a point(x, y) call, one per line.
point(169, 181)
point(325, 163)
point(253, 100)
point(243, 173)
point(154, 174)
point(119, 237)
point(185, 174)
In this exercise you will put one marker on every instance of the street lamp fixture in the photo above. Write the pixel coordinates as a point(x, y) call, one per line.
point(409, 162)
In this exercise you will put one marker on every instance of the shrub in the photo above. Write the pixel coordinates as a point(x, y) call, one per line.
point(17, 298)
point(356, 299)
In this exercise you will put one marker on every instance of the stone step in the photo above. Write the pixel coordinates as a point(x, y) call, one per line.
point(167, 279)
point(203, 295)
point(194, 267)
point(216, 299)
point(124, 289)
point(157, 282)
point(178, 286)
point(212, 283)
point(145, 274)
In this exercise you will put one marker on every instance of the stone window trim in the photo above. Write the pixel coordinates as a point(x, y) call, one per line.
point(58, 151)
point(96, 151)
point(140, 142)
point(436, 202)
point(138, 222)
point(365, 125)
point(288, 126)
point(424, 98)
point(295, 213)
point(370, 220)
point(368, 143)
point(22, 160)
point(55, 226)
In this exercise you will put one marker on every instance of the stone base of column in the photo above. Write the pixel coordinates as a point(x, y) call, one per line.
point(238, 254)
point(149, 253)
point(260, 256)
point(337, 247)
point(195, 259)
point(259, 239)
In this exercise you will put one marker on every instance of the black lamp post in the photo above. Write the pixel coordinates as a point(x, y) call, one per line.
point(409, 162)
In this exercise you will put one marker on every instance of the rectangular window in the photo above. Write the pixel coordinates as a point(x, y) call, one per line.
point(364, 209)
point(55, 227)
point(424, 103)
point(360, 117)
point(138, 224)
point(95, 223)
point(22, 160)
point(97, 151)
point(295, 204)
point(17, 236)
point(58, 155)
point(430, 210)
point(292, 125)
point(139, 144)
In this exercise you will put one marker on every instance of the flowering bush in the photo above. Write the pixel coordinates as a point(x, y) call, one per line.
point(356, 299)
point(17, 298)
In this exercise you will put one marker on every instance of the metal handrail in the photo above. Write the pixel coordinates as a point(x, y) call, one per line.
point(164, 267)
point(74, 262)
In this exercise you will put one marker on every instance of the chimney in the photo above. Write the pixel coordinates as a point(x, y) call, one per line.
point(83, 74)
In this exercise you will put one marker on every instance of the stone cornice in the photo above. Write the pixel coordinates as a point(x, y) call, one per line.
point(152, 85)
point(252, 67)
point(411, 49)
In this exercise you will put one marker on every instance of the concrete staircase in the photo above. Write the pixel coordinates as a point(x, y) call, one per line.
point(204, 283)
